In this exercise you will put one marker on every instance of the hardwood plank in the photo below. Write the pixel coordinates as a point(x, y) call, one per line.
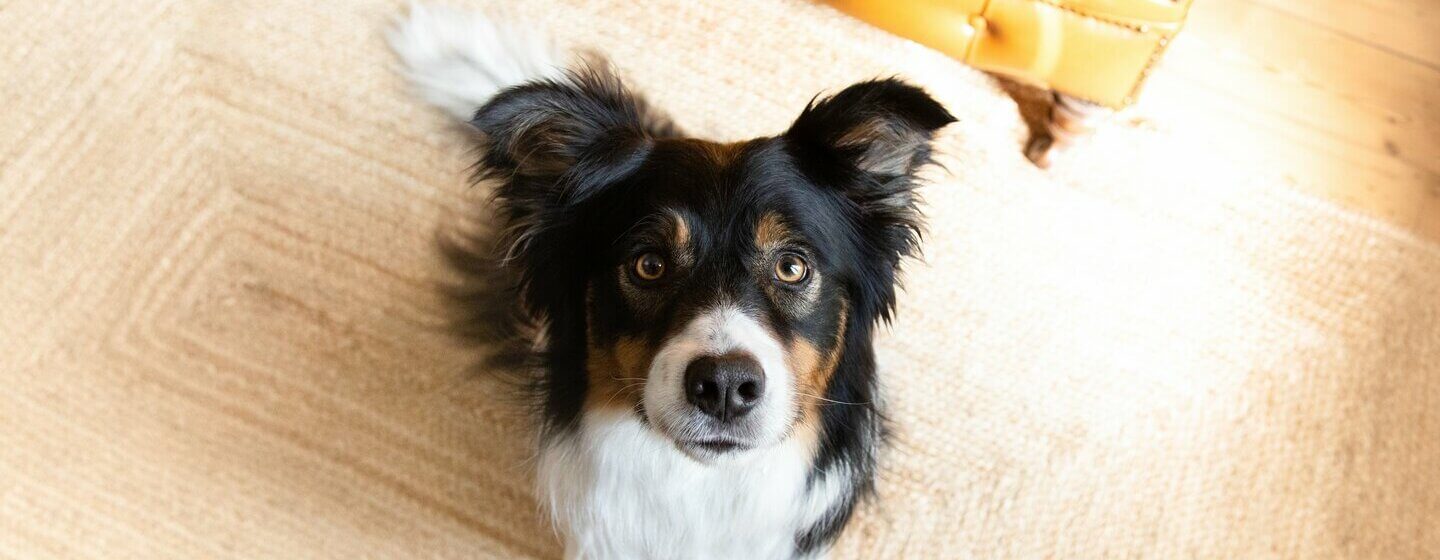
point(1405, 28)
point(1338, 118)
point(1376, 100)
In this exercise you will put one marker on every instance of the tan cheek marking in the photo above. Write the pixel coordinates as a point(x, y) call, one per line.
point(814, 369)
point(804, 360)
point(616, 374)
point(632, 356)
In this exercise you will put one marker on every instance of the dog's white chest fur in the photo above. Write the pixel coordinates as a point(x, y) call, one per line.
point(617, 489)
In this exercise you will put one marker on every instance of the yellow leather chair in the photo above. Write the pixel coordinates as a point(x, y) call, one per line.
point(1090, 52)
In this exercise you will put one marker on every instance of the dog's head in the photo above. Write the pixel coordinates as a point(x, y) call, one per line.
point(723, 293)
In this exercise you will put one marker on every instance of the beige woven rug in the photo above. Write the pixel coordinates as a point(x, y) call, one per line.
point(220, 335)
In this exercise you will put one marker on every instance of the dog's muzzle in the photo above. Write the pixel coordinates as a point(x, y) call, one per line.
point(721, 384)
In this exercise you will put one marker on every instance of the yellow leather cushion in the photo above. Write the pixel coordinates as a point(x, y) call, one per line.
point(943, 25)
point(1137, 12)
point(1097, 50)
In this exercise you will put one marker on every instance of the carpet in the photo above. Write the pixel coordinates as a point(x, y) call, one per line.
point(221, 334)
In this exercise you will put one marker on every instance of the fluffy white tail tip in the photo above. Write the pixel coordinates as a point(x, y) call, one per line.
point(459, 59)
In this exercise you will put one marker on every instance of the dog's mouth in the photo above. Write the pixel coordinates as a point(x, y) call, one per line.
point(714, 447)
point(705, 447)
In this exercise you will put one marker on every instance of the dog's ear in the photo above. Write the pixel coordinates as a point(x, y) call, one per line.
point(880, 127)
point(559, 136)
point(868, 141)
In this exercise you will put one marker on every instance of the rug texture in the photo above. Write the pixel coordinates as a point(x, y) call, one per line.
point(221, 335)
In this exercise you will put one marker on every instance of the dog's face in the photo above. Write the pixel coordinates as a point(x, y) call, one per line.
point(716, 291)
point(717, 301)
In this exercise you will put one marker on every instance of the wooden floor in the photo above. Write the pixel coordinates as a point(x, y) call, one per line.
point(1341, 96)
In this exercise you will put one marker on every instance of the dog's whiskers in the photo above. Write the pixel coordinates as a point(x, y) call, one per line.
point(820, 398)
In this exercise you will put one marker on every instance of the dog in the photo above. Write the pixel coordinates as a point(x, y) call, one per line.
point(698, 316)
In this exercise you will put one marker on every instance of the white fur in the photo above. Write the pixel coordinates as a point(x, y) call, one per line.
point(621, 488)
point(714, 332)
point(617, 489)
point(458, 60)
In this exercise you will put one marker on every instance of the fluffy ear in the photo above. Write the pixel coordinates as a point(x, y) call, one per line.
point(543, 130)
point(867, 142)
point(880, 127)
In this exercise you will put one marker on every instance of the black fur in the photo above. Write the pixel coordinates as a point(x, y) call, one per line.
point(584, 168)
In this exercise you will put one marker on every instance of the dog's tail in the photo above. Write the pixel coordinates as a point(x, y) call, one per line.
point(458, 60)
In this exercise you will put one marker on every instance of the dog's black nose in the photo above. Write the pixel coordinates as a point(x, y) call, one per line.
point(725, 387)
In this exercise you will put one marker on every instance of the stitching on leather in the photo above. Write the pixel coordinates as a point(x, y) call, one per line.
point(1160, 48)
point(1162, 39)
point(1162, 44)
point(1071, 9)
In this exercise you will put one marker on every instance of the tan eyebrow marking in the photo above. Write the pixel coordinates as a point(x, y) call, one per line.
point(681, 233)
point(770, 231)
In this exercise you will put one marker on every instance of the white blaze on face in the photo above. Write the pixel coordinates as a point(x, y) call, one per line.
point(720, 330)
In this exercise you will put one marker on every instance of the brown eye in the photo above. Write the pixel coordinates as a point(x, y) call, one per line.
point(791, 269)
point(649, 267)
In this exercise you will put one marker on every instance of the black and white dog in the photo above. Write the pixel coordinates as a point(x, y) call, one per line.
point(699, 315)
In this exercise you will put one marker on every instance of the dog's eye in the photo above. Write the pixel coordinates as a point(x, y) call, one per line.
point(649, 267)
point(790, 268)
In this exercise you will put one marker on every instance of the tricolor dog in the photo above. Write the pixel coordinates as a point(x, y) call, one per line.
point(697, 316)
